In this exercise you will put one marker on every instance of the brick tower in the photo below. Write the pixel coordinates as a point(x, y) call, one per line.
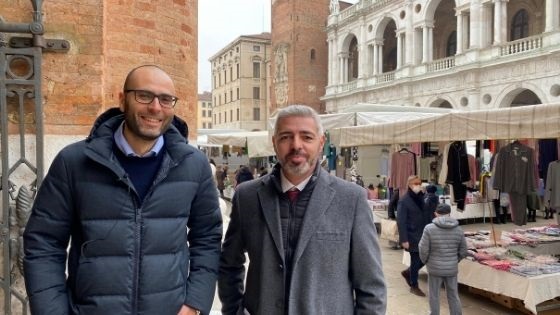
point(299, 53)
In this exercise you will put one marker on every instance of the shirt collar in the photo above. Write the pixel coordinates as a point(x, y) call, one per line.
point(286, 185)
point(125, 148)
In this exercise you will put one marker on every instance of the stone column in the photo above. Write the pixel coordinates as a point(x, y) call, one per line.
point(399, 50)
point(341, 78)
point(330, 62)
point(409, 36)
point(431, 42)
point(425, 44)
point(362, 50)
point(459, 15)
point(500, 28)
point(375, 58)
point(380, 56)
point(552, 15)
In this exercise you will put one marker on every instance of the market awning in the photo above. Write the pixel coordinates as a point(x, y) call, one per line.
point(258, 143)
point(534, 121)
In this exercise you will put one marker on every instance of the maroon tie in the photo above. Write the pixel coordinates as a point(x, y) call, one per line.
point(292, 194)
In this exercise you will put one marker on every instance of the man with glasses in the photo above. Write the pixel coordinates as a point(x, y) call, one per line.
point(139, 208)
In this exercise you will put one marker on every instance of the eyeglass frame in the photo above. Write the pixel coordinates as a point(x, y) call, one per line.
point(154, 95)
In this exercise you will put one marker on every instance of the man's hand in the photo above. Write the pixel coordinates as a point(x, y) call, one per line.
point(404, 245)
point(186, 310)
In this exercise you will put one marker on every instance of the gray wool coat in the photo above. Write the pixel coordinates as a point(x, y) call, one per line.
point(336, 263)
point(442, 246)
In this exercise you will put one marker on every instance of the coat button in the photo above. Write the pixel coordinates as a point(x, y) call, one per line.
point(280, 266)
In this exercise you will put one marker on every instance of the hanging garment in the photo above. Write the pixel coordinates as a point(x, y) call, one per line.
point(458, 172)
point(548, 152)
point(552, 187)
point(403, 164)
point(515, 174)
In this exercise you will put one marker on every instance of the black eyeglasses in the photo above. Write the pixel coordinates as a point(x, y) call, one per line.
point(147, 97)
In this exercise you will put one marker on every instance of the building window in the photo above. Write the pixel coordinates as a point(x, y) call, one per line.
point(237, 49)
point(256, 113)
point(225, 98)
point(237, 72)
point(256, 92)
point(214, 118)
point(225, 75)
point(203, 113)
point(204, 125)
point(225, 117)
point(209, 113)
point(451, 44)
point(237, 93)
point(203, 104)
point(237, 112)
point(231, 95)
point(214, 81)
point(520, 25)
point(209, 125)
point(256, 48)
point(312, 55)
point(220, 98)
point(231, 73)
point(230, 115)
point(256, 70)
point(220, 118)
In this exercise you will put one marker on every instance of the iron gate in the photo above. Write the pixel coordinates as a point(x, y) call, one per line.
point(21, 126)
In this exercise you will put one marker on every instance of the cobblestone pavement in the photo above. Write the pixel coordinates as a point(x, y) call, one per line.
point(401, 302)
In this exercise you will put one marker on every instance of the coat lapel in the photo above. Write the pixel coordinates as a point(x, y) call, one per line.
point(268, 199)
point(321, 199)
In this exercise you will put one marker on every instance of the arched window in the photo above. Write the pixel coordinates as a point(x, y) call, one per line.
point(451, 44)
point(520, 25)
point(312, 55)
point(353, 57)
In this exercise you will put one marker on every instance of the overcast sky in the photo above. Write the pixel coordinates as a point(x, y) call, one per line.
point(222, 21)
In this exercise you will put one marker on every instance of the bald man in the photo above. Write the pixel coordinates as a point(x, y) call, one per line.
point(139, 209)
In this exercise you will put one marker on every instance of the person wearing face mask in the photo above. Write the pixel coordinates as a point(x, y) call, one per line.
point(412, 217)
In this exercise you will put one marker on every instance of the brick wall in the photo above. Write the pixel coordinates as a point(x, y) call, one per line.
point(108, 38)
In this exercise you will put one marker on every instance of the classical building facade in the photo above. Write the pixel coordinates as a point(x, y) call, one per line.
point(239, 83)
point(204, 111)
point(461, 54)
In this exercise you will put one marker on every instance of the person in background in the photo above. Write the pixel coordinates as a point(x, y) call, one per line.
point(220, 172)
point(310, 239)
point(262, 171)
point(431, 200)
point(242, 175)
point(411, 220)
point(441, 247)
point(372, 192)
point(139, 209)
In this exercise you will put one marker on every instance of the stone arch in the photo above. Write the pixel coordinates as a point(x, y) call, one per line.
point(347, 40)
point(379, 29)
point(440, 101)
point(509, 94)
point(389, 41)
point(431, 7)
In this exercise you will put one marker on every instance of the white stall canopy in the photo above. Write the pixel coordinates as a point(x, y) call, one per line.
point(534, 122)
point(258, 143)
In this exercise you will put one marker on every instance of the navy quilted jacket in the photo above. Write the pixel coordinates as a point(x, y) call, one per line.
point(124, 257)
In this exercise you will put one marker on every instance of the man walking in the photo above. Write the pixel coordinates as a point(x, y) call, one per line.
point(310, 237)
point(140, 208)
